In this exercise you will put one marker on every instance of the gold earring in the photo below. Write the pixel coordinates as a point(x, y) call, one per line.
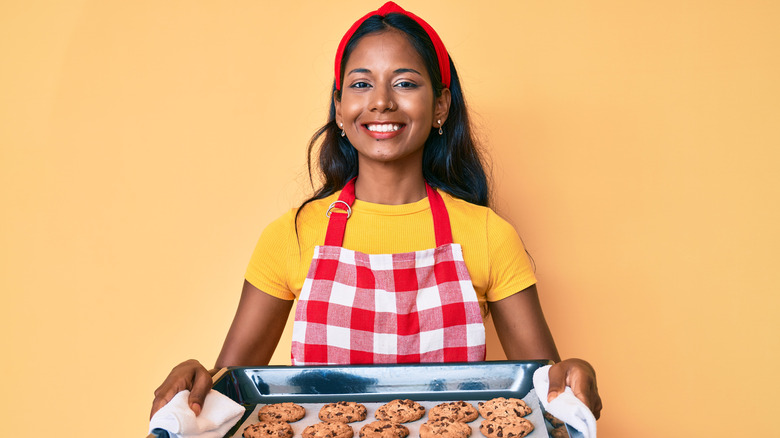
point(440, 130)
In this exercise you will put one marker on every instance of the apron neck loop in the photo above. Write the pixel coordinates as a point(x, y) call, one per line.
point(337, 222)
point(441, 218)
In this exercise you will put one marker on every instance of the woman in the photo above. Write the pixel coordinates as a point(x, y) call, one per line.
point(396, 257)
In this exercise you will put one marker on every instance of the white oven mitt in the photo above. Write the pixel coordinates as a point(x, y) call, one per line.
point(218, 415)
point(566, 407)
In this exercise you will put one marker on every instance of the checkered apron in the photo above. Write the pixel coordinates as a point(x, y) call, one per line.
point(357, 308)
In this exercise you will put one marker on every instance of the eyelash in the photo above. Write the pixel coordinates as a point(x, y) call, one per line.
point(401, 84)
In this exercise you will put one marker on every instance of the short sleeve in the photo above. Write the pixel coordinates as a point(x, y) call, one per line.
point(268, 267)
point(510, 267)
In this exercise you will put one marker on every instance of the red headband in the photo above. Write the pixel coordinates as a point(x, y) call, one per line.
point(390, 8)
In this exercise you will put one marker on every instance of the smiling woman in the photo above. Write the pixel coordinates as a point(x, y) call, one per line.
point(387, 107)
point(144, 145)
point(451, 160)
point(397, 256)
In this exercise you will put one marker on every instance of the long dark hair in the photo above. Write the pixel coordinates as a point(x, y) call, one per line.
point(452, 161)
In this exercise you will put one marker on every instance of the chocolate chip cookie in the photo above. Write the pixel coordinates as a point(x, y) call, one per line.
point(289, 412)
point(501, 407)
point(457, 410)
point(328, 429)
point(383, 429)
point(400, 411)
point(268, 429)
point(444, 428)
point(506, 427)
point(345, 412)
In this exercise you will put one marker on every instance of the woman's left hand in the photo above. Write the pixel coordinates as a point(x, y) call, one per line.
point(580, 376)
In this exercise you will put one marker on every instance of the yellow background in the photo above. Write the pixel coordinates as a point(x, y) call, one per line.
point(145, 144)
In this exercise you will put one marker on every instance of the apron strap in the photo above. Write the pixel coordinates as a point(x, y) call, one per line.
point(441, 218)
point(337, 222)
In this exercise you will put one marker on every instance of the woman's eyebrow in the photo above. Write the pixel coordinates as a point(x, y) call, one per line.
point(396, 71)
point(407, 70)
point(359, 70)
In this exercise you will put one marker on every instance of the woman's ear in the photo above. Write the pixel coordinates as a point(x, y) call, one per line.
point(337, 105)
point(441, 107)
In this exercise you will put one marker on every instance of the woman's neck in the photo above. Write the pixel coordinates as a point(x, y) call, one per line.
point(389, 188)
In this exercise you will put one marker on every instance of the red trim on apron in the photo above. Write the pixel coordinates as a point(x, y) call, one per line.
point(357, 308)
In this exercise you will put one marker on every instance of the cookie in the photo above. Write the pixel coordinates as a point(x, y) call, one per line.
point(383, 429)
point(328, 429)
point(289, 412)
point(554, 422)
point(444, 428)
point(400, 411)
point(501, 407)
point(457, 410)
point(268, 429)
point(559, 432)
point(345, 412)
point(506, 427)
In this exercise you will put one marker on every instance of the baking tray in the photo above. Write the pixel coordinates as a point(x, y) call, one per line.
point(250, 386)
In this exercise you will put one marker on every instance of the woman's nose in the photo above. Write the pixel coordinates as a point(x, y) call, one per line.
point(382, 100)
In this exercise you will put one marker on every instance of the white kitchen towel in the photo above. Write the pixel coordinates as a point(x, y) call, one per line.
point(218, 415)
point(566, 407)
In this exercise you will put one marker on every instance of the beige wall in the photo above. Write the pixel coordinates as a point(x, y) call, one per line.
point(145, 144)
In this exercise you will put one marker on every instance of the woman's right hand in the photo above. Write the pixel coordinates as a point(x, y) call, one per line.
point(187, 375)
point(251, 341)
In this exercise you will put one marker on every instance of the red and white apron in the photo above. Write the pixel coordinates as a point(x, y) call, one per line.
point(357, 308)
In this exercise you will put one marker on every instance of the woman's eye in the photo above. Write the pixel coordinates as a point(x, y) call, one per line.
point(406, 84)
point(360, 84)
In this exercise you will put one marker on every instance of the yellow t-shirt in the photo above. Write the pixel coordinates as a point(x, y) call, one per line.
point(492, 250)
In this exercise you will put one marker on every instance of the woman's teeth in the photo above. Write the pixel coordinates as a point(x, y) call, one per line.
point(383, 128)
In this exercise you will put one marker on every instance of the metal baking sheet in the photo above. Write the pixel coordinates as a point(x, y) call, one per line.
point(312, 410)
point(434, 383)
point(369, 383)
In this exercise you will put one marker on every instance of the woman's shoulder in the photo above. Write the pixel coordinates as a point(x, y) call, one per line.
point(297, 226)
point(477, 215)
point(311, 213)
point(460, 206)
point(454, 202)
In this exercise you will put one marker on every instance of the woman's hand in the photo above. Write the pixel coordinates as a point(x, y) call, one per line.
point(580, 376)
point(251, 340)
point(524, 334)
point(187, 375)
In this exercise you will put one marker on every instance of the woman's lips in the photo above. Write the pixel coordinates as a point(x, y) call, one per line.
point(383, 131)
